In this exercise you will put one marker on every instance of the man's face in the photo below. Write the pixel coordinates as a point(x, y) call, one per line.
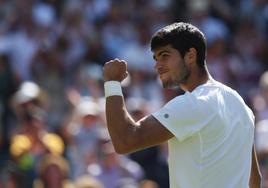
point(171, 67)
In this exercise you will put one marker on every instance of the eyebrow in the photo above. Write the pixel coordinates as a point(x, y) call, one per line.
point(160, 53)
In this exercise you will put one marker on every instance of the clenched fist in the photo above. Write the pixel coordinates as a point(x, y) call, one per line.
point(115, 70)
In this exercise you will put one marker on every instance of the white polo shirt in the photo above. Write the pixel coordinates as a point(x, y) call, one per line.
point(213, 137)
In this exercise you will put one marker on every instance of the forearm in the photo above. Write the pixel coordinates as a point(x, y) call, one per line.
point(126, 134)
point(119, 122)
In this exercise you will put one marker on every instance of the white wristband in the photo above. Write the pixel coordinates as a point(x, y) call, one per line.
point(112, 88)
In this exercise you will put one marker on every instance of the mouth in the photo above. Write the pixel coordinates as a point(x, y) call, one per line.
point(162, 71)
point(162, 75)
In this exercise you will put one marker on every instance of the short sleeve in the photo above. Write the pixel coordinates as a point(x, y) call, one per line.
point(184, 115)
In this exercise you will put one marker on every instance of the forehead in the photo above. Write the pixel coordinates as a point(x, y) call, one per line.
point(163, 49)
point(167, 47)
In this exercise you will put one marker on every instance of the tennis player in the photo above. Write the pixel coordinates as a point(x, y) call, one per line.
point(209, 129)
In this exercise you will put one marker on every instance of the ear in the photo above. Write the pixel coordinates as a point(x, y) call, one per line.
point(191, 56)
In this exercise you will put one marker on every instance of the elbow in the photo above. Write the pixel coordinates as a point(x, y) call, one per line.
point(124, 146)
point(124, 143)
point(122, 149)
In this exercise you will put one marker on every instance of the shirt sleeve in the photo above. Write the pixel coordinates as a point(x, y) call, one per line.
point(184, 115)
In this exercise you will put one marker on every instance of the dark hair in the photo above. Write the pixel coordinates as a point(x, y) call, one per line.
point(181, 36)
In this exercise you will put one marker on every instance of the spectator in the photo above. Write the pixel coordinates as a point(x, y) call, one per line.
point(260, 98)
point(31, 140)
point(83, 131)
point(112, 168)
point(53, 173)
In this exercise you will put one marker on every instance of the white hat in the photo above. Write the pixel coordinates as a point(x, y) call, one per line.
point(28, 91)
point(87, 107)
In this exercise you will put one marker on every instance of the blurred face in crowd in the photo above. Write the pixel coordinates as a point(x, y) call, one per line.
point(265, 94)
point(170, 66)
point(53, 176)
point(89, 120)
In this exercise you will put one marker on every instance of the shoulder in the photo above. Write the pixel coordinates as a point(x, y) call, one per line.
point(214, 89)
point(212, 96)
point(229, 93)
point(221, 96)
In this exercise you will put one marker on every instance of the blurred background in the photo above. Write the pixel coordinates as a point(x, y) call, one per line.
point(52, 123)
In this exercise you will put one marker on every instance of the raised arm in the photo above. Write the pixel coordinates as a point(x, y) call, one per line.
point(255, 176)
point(126, 134)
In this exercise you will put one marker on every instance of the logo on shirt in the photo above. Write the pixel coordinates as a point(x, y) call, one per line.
point(166, 116)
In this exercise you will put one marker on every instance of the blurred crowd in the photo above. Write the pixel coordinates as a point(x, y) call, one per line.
point(52, 108)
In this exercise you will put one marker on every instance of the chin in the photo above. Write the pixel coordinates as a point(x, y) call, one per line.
point(169, 85)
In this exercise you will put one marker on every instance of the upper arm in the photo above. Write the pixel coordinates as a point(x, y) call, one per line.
point(174, 119)
point(145, 133)
point(126, 134)
point(180, 117)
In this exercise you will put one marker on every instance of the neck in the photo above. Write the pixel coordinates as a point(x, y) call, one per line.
point(196, 78)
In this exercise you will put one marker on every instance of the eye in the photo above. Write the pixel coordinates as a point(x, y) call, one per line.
point(164, 56)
